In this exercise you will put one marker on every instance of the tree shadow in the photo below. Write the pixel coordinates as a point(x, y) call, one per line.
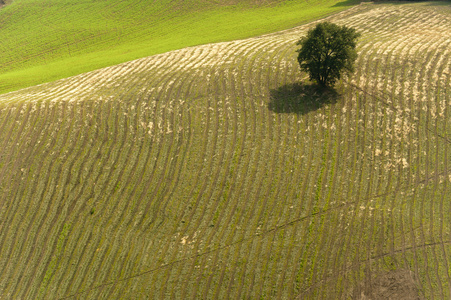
point(301, 98)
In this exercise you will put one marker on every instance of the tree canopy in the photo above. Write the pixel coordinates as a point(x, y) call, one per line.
point(327, 51)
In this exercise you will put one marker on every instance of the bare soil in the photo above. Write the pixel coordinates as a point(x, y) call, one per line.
point(396, 285)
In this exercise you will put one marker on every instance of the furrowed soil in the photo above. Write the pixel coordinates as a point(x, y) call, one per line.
point(219, 171)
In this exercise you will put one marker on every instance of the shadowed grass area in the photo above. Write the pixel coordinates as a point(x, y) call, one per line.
point(301, 98)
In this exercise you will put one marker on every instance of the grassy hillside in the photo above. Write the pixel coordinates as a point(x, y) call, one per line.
point(46, 40)
point(217, 171)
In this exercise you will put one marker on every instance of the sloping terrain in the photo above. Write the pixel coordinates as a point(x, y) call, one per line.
point(44, 40)
point(218, 171)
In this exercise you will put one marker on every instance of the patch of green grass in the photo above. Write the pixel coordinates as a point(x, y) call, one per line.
point(45, 41)
point(53, 264)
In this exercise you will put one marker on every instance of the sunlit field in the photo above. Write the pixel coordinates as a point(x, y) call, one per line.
point(52, 39)
point(219, 171)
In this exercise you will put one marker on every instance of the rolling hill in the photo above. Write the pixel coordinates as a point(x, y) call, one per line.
point(218, 171)
point(44, 40)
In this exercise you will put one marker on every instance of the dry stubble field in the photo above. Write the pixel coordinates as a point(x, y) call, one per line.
point(217, 171)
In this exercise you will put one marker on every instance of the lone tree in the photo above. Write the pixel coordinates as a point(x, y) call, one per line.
point(327, 51)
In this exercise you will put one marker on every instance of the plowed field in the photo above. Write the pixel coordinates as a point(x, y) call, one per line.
point(219, 171)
